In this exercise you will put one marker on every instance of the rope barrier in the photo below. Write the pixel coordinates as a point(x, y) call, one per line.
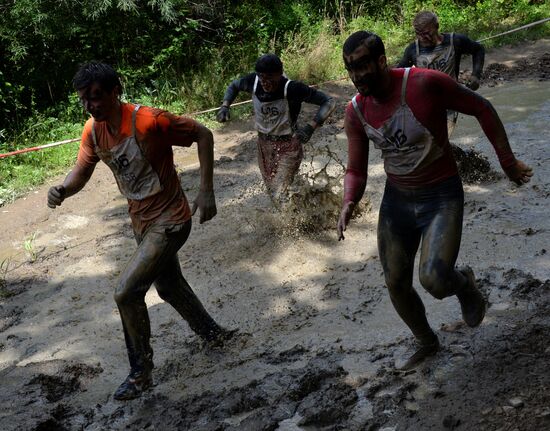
point(192, 114)
point(27, 150)
point(516, 29)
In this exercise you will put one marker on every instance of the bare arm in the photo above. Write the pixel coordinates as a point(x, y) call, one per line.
point(205, 200)
point(74, 182)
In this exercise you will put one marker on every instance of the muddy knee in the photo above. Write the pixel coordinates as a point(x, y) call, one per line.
point(397, 287)
point(126, 293)
point(437, 281)
point(165, 293)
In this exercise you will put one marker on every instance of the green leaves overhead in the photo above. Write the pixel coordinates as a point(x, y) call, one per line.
point(194, 47)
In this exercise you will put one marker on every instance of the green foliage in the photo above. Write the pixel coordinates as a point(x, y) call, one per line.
point(30, 247)
point(309, 56)
point(20, 173)
point(4, 269)
point(181, 54)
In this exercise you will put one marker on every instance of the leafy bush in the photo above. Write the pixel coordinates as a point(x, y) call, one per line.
point(180, 54)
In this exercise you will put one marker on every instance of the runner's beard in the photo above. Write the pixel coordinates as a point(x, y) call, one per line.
point(369, 84)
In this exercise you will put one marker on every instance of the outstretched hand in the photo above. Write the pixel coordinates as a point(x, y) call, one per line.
point(345, 216)
point(304, 133)
point(519, 173)
point(473, 83)
point(56, 196)
point(223, 114)
point(206, 203)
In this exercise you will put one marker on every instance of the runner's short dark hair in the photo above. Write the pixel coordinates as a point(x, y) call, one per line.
point(269, 63)
point(425, 18)
point(372, 40)
point(102, 73)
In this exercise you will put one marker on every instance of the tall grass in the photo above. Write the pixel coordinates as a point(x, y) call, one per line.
point(312, 55)
point(20, 173)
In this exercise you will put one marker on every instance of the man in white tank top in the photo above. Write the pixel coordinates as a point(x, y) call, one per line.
point(403, 112)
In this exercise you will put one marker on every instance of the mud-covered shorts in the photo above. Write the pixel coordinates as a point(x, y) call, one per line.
point(279, 159)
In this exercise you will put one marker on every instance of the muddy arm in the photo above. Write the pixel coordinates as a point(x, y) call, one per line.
point(471, 103)
point(74, 182)
point(245, 83)
point(205, 200)
point(324, 112)
point(355, 179)
point(408, 58)
point(467, 46)
point(77, 179)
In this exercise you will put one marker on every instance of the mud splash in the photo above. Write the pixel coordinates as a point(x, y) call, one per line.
point(314, 200)
point(474, 167)
point(531, 68)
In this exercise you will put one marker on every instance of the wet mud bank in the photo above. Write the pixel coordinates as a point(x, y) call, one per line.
point(479, 380)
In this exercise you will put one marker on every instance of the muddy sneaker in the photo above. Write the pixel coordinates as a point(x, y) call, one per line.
point(424, 351)
point(134, 385)
point(471, 300)
point(219, 336)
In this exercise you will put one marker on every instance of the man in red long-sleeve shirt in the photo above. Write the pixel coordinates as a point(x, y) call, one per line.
point(403, 111)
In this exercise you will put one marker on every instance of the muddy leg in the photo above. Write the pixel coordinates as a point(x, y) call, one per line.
point(289, 159)
point(440, 246)
point(154, 248)
point(398, 240)
point(267, 162)
point(397, 252)
point(174, 289)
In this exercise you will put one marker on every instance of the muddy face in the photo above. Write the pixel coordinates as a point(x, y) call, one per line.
point(99, 103)
point(365, 71)
point(270, 81)
point(428, 35)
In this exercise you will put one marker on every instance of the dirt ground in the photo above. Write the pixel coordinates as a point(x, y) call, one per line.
point(318, 337)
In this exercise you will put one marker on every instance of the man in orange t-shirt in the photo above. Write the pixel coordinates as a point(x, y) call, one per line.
point(136, 143)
